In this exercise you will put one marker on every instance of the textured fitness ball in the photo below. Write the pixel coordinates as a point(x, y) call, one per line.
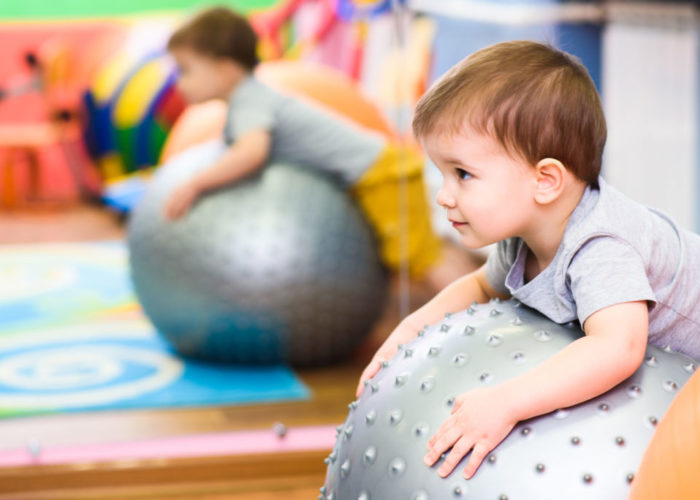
point(279, 267)
point(587, 451)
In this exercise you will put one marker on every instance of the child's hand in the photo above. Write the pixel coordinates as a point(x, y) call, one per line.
point(402, 334)
point(180, 201)
point(480, 419)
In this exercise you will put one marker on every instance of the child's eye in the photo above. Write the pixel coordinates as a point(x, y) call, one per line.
point(463, 174)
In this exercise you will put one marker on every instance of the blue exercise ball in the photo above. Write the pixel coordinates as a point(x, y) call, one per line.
point(280, 267)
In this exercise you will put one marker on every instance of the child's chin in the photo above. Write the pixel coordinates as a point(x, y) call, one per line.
point(472, 243)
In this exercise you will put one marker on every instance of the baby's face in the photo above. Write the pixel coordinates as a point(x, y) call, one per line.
point(488, 194)
point(200, 78)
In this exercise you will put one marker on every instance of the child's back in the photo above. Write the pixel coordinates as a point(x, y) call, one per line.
point(301, 132)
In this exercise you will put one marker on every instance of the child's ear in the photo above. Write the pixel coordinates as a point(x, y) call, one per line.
point(551, 176)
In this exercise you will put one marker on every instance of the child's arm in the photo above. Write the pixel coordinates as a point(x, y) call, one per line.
point(242, 158)
point(611, 351)
point(473, 287)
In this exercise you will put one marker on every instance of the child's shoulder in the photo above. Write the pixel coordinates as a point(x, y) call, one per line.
point(606, 211)
point(251, 90)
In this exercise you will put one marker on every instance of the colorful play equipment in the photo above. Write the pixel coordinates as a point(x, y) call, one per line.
point(349, 10)
point(276, 37)
point(281, 267)
point(144, 112)
point(590, 450)
point(335, 30)
point(130, 117)
point(671, 464)
point(132, 102)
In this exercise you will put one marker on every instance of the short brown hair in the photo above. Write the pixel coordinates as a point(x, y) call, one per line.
point(536, 101)
point(219, 33)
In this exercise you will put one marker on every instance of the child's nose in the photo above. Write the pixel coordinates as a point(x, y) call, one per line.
point(444, 198)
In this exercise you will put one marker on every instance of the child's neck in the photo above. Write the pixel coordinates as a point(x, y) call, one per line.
point(546, 237)
point(234, 77)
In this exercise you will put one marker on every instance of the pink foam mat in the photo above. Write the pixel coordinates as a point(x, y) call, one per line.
point(230, 443)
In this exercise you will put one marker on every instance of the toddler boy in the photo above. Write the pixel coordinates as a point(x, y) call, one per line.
point(517, 131)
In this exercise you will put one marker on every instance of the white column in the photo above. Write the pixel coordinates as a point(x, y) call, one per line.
point(650, 94)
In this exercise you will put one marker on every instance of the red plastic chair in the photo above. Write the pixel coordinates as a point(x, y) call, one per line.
point(55, 78)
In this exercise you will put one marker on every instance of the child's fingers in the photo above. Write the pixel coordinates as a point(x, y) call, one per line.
point(367, 374)
point(373, 367)
point(443, 440)
point(182, 208)
point(478, 454)
point(172, 209)
point(169, 213)
point(459, 450)
point(439, 434)
point(175, 213)
point(456, 406)
point(360, 387)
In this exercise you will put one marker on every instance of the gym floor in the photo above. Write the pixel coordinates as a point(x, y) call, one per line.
point(294, 474)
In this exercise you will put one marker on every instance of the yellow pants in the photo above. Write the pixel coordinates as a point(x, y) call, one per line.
point(403, 238)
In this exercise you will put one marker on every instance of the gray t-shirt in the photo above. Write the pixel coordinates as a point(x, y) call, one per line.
point(302, 133)
point(614, 250)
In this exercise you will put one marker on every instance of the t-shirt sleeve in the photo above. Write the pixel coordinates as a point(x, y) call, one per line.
point(499, 263)
point(606, 271)
point(248, 113)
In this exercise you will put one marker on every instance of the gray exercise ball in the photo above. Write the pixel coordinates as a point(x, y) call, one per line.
point(589, 451)
point(279, 267)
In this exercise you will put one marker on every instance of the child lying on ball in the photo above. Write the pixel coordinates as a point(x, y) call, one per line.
point(216, 54)
point(517, 131)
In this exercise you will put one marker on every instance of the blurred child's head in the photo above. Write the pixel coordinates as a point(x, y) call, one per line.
point(534, 100)
point(213, 50)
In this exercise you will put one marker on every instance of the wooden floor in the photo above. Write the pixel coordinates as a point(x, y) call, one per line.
point(293, 476)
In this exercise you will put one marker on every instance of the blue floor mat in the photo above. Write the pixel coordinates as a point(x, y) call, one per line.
point(72, 338)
